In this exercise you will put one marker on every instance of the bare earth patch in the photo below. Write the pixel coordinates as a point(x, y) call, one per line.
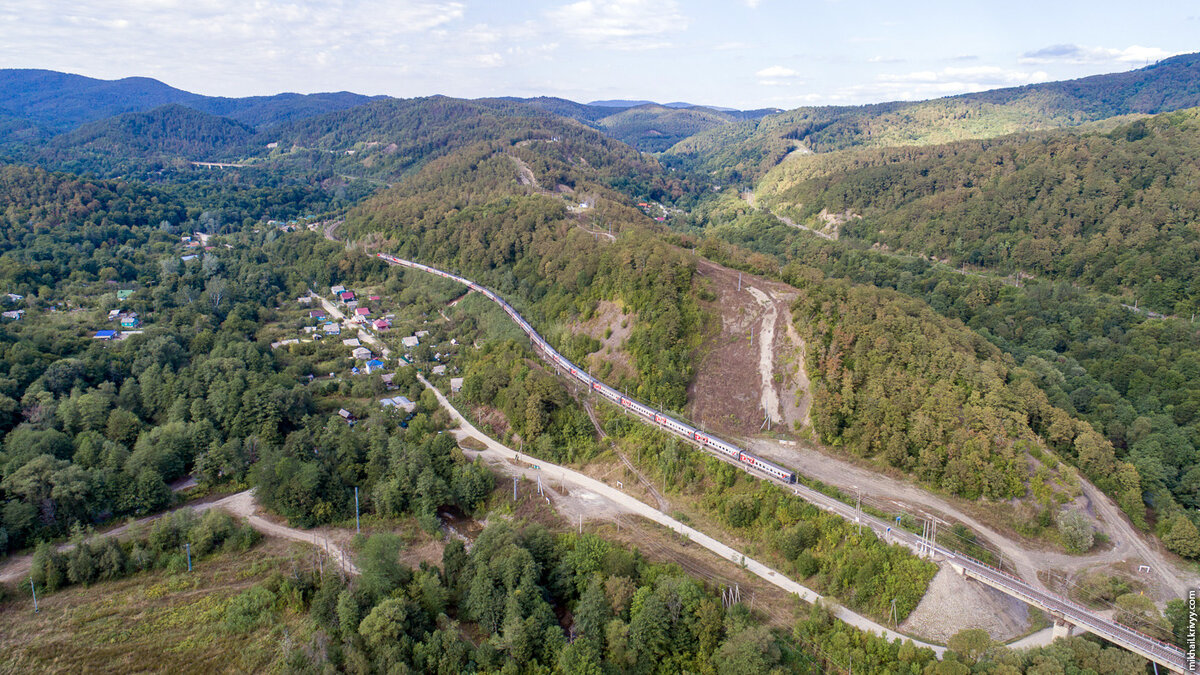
point(955, 603)
point(752, 363)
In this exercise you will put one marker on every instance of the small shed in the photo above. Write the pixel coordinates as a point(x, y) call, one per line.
point(410, 341)
point(456, 384)
point(105, 335)
point(439, 370)
point(130, 322)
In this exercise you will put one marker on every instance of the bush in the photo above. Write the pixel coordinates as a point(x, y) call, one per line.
point(1075, 530)
point(249, 610)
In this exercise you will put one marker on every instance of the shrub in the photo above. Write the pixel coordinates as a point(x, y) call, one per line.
point(249, 610)
point(1075, 530)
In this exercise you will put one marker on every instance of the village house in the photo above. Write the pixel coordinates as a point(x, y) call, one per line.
point(105, 335)
point(361, 353)
point(14, 314)
point(456, 384)
point(346, 296)
point(398, 402)
point(410, 341)
point(337, 290)
point(374, 365)
point(381, 324)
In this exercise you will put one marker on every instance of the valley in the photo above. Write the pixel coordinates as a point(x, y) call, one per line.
point(918, 310)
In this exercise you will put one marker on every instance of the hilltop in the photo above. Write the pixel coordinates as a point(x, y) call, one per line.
point(746, 151)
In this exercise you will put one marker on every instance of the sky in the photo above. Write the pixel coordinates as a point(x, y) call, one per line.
point(736, 53)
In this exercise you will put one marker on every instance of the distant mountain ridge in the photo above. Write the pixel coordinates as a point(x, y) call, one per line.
point(746, 151)
point(63, 101)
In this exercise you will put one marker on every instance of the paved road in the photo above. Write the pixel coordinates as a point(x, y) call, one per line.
point(498, 451)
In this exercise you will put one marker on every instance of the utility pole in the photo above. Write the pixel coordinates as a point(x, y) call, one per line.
point(739, 282)
point(34, 591)
point(189, 555)
point(514, 488)
point(581, 523)
point(357, 525)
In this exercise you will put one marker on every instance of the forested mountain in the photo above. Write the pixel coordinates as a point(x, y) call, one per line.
point(746, 151)
point(1131, 377)
point(1116, 212)
point(62, 101)
point(170, 131)
point(654, 128)
point(391, 138)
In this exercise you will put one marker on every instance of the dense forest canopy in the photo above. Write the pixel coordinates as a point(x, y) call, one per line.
point(743, 152)
point(1129, 376)
point(1117, 212)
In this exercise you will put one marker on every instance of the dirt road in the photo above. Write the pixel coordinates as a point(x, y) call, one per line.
point(497, 452)
point(1166, 580)
point(363, 334)
point(241, 504)
point(769, 398)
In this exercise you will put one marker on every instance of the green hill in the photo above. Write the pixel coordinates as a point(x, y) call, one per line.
point(172, 130)
point(654, 128)
point(1117, 212)
point(746, 151)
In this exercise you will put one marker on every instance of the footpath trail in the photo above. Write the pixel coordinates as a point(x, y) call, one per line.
point(496, 451)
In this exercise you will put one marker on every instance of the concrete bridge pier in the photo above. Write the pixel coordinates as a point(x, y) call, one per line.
point(1062, 628)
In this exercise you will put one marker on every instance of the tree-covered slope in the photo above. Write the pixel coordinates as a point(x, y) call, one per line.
point(654, 128)
point(169, 131)
point(747, 150)
point(1117, 212)
point(62, 101)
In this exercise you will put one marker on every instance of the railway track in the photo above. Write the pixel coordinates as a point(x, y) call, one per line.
point(1063, 610)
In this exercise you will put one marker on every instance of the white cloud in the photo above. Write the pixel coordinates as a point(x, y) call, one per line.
point(777, 71)
point(620, 24)
point(1076, 54)
point(972, 78)
point(752, 4)
point(777, 76)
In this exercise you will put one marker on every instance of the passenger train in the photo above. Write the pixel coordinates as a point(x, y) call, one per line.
point(666, 422)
